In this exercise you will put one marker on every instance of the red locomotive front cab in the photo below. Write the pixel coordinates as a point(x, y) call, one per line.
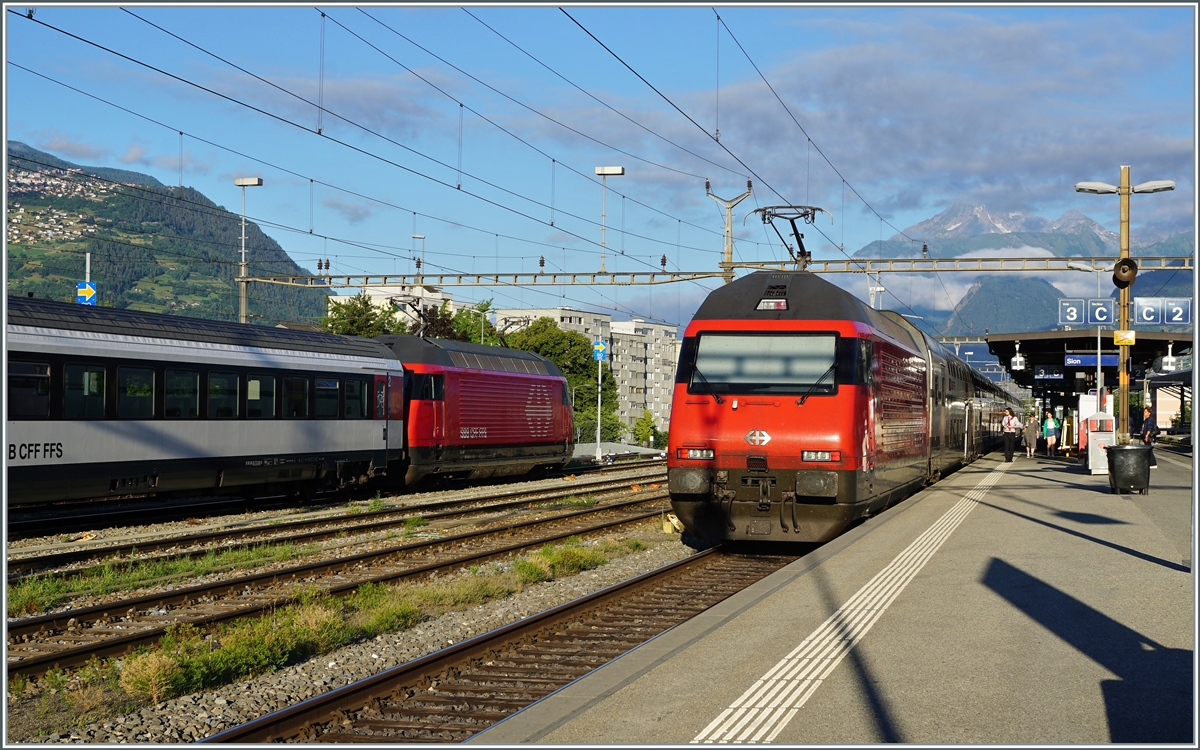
point(772, 429)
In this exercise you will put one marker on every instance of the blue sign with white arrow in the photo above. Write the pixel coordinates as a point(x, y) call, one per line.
point(600, 351)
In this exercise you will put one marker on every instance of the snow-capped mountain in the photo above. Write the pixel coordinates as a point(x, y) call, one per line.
point(963, 220)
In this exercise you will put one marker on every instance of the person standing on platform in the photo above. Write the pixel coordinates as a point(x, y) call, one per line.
point(1031, 434)
point(1050, 430)
point(1149, 432)
point(1010, 424)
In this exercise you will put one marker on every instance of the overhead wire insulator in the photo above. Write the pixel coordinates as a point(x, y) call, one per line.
point(663, 261)
point(542, 261)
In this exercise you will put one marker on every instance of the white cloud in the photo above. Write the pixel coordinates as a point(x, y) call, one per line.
point(64, 146)
point(351, 212)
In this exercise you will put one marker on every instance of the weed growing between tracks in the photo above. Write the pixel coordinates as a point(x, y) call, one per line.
point(189, 660)
point(40, 593)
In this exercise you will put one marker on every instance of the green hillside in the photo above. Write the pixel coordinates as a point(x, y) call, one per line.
point(1002, 304)
point(153, 248)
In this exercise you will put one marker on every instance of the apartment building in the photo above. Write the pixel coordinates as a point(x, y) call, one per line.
point(642, 355)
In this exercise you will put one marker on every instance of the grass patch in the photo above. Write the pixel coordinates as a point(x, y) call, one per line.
point(571, 502)
point(39, 593)
point(189, 660)
point(414, 523)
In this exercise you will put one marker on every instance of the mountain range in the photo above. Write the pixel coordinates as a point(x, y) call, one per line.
point(166, 249)
point(1009, 303)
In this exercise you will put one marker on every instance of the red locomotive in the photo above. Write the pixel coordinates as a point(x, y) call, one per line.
point(480, 411)
point(798, 409)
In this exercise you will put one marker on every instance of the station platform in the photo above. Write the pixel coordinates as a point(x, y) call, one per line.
point(1009, 603)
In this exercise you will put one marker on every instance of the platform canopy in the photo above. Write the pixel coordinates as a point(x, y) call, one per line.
point(1064, 362)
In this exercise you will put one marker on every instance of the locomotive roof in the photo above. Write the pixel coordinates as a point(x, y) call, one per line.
point(41, 313)
point(808, 298)
point(418, 350)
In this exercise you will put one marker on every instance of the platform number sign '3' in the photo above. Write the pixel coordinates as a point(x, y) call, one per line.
point(1071, 312)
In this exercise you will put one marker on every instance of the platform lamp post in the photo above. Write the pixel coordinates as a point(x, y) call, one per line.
point(1099, 372)
point(243, 283)
point(1123, 277)
point(603, 173)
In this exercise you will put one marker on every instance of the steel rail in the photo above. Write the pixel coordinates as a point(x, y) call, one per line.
point(365, 522)
point(331, 706)
point(69, 621)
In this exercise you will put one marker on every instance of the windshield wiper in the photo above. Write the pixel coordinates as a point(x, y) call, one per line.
point(800, 401)
point(708, 385)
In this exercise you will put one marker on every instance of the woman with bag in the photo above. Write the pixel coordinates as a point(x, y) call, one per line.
point(1010, 424)
point(1030, 435)
point(1050, 430)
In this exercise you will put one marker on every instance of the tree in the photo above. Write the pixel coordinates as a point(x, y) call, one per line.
point(644, 429)
point(468, 324)
point(358, 316)
point(438, 324)
point(572, 353)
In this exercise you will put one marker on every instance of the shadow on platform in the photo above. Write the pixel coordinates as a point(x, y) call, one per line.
point(1152, 700)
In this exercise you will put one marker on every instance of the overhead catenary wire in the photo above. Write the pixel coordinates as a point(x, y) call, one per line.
point(690, 119)
point(813, 145)
point(293, 173)
point(603, 103)
point(345, 144)
point(458, 185)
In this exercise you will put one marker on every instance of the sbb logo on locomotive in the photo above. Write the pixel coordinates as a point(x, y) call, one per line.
point(472, 432)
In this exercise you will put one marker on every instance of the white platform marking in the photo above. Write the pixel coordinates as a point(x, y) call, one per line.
point(762, 712)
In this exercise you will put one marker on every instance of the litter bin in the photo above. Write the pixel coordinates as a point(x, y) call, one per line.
point(1129, 468)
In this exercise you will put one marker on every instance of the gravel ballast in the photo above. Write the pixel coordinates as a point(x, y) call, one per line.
point(194, 717)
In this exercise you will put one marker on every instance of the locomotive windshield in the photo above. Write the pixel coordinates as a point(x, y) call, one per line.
point(753, 362)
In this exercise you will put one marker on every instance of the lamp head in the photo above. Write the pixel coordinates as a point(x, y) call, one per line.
point(248, 181)
point(1154, 186)
point(1095, 187)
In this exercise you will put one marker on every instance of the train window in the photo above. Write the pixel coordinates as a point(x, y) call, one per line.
point(135, 393)
point(358, 399)
point(28, 390)
point(327, 397)
point(183, 394)
point(260, 397)
point(749, 362)
point(222, 395)
point(380, 399)
point(83, 392)
point(433, 388)
point(295, 398)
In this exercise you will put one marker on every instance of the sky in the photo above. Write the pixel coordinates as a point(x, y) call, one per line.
point(480, 127)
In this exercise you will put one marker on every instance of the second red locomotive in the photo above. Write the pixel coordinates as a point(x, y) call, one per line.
point(798, 409)
point(480, 411)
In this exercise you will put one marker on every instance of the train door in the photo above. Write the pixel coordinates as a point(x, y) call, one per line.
point(388, 398)
point(434, 390)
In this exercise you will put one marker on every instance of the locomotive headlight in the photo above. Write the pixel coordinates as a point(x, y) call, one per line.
point(695, 454)
point(772, 304)
point(688, 481)
point(821, 456)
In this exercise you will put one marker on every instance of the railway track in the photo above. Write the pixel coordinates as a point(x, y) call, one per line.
point(311, 530)
point(457, 692)
point(70, 638)
point(83, 516)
